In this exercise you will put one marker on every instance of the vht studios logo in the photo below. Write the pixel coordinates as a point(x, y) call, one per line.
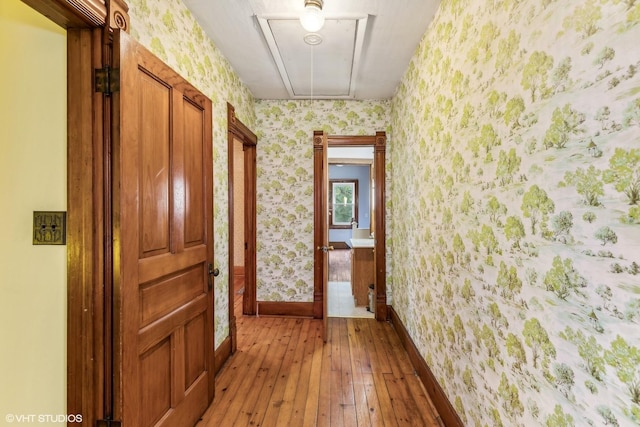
point(43, 418)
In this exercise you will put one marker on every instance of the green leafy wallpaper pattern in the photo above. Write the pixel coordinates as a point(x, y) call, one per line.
point(168, 29)
point(516, 212)
point(285, 185)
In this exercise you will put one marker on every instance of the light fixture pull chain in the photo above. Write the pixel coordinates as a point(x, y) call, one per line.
point(312, 75)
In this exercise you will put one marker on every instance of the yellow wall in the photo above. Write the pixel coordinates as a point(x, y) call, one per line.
point(32, 177)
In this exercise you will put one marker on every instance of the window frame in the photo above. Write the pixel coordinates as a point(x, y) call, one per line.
point(354, 210)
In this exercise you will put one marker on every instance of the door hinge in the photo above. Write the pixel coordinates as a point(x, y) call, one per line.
point(108, 423)
point(107, 80)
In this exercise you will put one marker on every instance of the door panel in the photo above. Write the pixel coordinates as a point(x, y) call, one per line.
point(154, 169)
point(163, 242)
point(162, 297)
point(194, 233)
point(155, 382)
point(194, 338)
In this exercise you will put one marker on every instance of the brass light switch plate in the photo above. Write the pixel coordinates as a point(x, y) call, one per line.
point(49, 228)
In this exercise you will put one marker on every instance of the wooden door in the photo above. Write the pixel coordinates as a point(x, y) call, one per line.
point(163, 243)
point(321, 233)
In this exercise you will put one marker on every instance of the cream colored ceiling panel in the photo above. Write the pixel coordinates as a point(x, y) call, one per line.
point(325, 70)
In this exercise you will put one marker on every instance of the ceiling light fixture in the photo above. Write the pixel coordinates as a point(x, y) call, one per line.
point(312, 18)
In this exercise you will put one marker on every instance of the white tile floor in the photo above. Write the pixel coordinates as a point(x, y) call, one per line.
point(341, 302)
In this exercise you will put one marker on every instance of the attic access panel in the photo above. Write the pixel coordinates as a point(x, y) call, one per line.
point(327, 70)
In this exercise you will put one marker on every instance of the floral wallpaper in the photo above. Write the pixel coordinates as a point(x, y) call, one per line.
point(516, 214)
point(285, 185)
point(168, 29)
point(513, 233)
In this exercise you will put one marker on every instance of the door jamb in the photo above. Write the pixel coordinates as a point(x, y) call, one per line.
point(237, 130)
point(87, 246)
point(378, 141)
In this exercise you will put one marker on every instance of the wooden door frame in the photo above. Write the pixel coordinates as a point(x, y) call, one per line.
point(238, 131)
point(88, 231)
point(378, 142)
point(321, 232)
point(91, 379)
point(89, 24)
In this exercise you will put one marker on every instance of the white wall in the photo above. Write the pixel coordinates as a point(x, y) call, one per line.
point(32, 177)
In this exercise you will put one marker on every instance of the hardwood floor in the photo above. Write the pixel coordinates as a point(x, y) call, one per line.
point(284, 375)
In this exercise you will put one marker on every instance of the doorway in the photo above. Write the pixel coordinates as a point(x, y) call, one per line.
point(322, 142)
point(350, 210)
point(161, 364)
point(242, 218)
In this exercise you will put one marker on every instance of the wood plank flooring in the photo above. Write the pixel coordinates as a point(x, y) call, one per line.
point(284, 375)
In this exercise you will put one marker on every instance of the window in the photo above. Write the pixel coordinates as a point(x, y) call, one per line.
point(343, 201)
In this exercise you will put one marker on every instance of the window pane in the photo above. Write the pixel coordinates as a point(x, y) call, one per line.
point(342, 214)
point(343, 193)
point(343, 203)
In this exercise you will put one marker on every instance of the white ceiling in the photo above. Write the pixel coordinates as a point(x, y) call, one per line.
point(366, 47)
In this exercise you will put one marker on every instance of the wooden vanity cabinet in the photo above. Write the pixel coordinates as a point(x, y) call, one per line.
point(362, 274)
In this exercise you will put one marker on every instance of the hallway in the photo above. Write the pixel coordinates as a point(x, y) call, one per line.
point(282, 374)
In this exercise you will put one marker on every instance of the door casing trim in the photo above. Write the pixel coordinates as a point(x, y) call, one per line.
point(238, 131)
point(378, 142)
